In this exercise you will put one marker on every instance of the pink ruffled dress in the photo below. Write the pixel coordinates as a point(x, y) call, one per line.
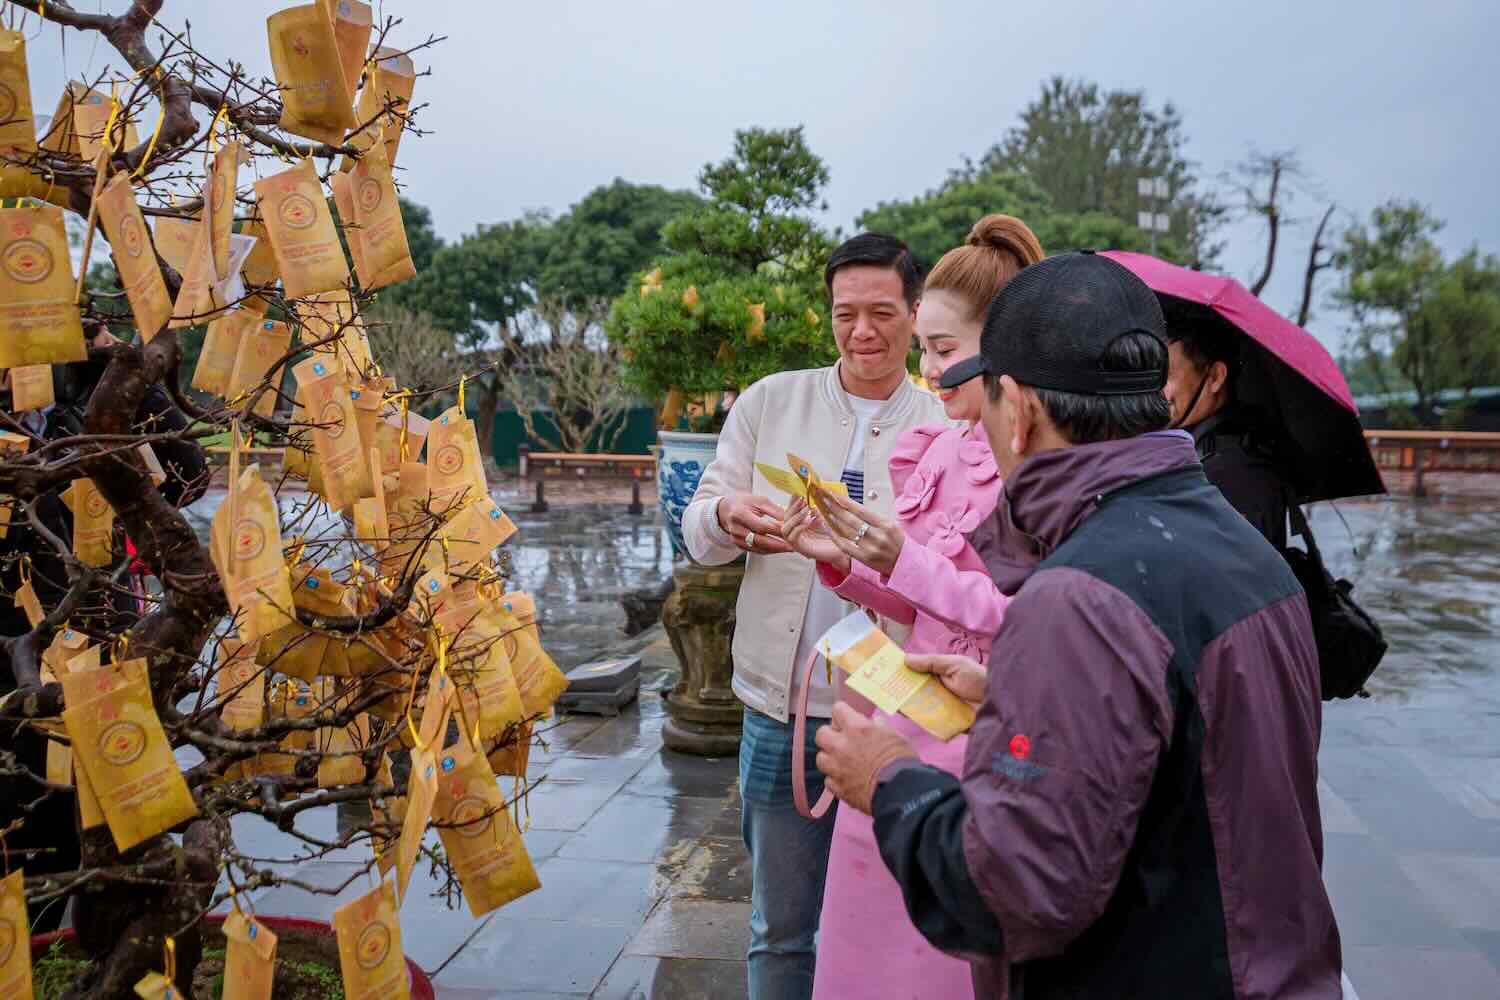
point(946, 483)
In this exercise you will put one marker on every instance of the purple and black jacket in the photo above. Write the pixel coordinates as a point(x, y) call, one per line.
point(1138, 812)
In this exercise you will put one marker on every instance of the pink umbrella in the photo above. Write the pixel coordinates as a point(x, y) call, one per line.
point(1288, 380)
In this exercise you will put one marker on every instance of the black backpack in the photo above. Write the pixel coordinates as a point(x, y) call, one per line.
point(1350, 644)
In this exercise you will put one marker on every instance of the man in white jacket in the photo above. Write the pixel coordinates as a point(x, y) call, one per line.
point(844, 421)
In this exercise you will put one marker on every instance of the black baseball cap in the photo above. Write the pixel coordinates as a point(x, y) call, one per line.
point(1052, 324)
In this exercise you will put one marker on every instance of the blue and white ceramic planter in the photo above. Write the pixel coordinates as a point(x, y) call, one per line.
point(679, 466)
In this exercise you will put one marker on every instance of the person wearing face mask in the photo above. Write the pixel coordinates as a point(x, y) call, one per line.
point(1138, 811)
point(845, 420)
point(916, 569)
point(1200, 389)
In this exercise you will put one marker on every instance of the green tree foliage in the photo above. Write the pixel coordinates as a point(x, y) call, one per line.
point(739, 293)
point(939, 220)
point(1087, 147)
point(592, 252)
point(1435, 323)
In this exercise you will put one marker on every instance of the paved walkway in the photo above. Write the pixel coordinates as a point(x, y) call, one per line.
point(646, 885)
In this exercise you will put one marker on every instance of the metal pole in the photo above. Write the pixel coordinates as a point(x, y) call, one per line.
point(1153, 218)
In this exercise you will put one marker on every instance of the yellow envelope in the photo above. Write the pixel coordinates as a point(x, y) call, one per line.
point(17, 122)
point(538, 677)
point(221, 346)
point(352, 25)
point(249, 958)
point(223, 179)
point(93, 523)
point(130, 244)
point(31, 388)
point(303, 236)
point(316, 100)
point(39, 321)
point(421, 790)
point(340, 457)
point(260, 266)
point(261, 345)
point(120, 743)
point(369, 936)
point(385, 256)
point(473, 533)
point(877, 670)
point(481, 842)
point(455, 474)
point(800, 480)
point(174, 241)
point(15, 937)
point(385, 99)
point(247, 554)
point(243, 680)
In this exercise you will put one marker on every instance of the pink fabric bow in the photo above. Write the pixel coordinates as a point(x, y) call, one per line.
point(962, 643)
point(949, 528)
point(921, 487)
point(979, 461)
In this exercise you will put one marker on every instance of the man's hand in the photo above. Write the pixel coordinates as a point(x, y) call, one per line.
point(853, 750)
point(753, 522)
point(959, 674)
point(807, 536)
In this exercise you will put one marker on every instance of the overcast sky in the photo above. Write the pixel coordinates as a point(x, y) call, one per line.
point(533, 104)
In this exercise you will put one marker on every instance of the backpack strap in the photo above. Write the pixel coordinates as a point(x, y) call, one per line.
point(799, 746)
point(1301, 528)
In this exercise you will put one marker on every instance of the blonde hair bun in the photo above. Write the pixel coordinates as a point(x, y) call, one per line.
point(1009, 234)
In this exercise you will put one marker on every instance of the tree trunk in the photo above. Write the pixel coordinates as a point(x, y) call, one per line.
point(1313, 267)
point(484, 417)
point(1273, 217)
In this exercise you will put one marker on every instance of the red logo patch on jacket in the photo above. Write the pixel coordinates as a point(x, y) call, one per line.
point(1020, 746)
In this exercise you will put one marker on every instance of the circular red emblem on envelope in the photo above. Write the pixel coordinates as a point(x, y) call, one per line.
point(27, 261)
point(298, 211)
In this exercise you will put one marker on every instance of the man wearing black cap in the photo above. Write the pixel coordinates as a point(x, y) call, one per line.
point(1138, 813)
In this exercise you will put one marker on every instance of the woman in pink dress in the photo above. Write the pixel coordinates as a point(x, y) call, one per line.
point(916, 571)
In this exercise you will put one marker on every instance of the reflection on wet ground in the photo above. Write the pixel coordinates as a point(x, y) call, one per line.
point(1429, 572)
point(646, 884)
point(1410, 783)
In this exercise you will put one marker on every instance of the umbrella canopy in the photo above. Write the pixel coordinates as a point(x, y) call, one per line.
point(1288, 385)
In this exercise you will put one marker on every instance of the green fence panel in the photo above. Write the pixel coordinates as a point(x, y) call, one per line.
point(637, 437)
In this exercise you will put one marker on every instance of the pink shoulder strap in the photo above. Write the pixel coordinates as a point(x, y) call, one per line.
point(799, 744)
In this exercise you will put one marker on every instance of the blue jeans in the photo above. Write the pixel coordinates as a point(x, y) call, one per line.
point(788, 859)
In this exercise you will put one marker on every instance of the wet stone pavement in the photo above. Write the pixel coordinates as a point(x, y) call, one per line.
point(645, 880)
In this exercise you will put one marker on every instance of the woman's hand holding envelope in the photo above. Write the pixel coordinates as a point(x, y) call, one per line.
point(804, 532)
point(862, 534)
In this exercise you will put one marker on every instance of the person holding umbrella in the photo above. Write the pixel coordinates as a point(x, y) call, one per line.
point(1236, 459)
point(1275, 427)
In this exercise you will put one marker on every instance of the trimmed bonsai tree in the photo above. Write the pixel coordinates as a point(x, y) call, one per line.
point(739, 294)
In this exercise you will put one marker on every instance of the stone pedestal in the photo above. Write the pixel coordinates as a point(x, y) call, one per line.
point(703, 715)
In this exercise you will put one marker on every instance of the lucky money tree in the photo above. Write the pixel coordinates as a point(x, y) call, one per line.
point(346, 635)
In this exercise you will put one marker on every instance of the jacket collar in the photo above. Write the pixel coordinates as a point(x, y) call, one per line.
point(1049, 495)
point(893, 412)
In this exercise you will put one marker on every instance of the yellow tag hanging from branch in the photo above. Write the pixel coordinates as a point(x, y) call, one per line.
point(15, 934)
point(130, 244)
point(39, 319)
point(303, 235)
point(316, 101)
